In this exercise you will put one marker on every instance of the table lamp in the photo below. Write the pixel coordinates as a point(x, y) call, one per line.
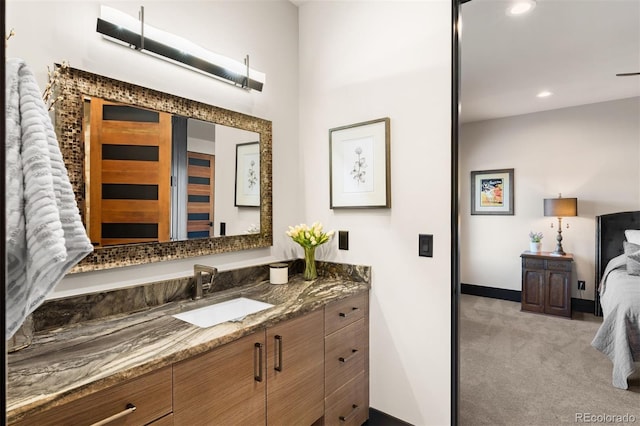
point(560, 207)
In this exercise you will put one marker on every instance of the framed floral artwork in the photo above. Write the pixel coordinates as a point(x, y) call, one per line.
point(492, 192)
point(247, 175)
point(359, 165)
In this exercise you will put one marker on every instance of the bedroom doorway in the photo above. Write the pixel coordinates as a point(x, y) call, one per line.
point(490, 328)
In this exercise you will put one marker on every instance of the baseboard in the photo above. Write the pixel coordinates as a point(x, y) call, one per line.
point(378, 418)
point(492, 292)
point(583, 305)
point(578, 305)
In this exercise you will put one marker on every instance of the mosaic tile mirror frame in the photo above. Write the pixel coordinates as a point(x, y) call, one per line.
point(74, 85)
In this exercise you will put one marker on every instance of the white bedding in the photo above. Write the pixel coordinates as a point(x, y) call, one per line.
point(619, 335)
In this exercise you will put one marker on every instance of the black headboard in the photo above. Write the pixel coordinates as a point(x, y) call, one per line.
point(609, 237)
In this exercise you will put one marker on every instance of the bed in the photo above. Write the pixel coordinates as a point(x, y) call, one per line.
point(617, 297)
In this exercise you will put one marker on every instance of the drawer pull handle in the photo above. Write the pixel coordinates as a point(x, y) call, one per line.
point(346, 314)
point(257, 362)
point(354, 410)
point(354, 352)
point(130, 409)
point(278, 358)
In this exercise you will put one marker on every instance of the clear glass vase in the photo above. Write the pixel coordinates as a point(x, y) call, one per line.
point(310, 272)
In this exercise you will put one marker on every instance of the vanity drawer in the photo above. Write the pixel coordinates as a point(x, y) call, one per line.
point(344, 312)
point(347, 405)
point(344, 355)
point(150, 394)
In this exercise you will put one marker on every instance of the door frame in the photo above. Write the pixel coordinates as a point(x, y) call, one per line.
point(455, 251)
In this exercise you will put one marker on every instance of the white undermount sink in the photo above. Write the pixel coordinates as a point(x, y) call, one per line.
point(231, 310)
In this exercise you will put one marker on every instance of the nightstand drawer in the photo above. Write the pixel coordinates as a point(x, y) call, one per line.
point(534, 263)
point(558, 265)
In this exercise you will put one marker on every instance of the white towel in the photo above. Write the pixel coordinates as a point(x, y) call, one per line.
point(45, 236)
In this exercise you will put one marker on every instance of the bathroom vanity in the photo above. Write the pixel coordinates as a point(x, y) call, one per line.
point(305, 360)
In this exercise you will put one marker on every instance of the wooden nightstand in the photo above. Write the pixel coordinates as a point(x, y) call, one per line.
point(546, 283)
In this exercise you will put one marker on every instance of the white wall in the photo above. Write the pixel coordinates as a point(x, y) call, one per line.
point(55, 31)
point(589, 152)
point(366, 60)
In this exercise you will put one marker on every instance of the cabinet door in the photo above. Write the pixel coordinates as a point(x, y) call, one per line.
point(295, 371)
point(557, 297)
point(533, 290)
point(223, 387)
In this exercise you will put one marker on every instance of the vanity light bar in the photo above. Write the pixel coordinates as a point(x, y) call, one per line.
point(123, 29)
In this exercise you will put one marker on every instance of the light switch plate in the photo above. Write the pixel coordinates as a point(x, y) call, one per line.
point(343, 240)
point(425, 245)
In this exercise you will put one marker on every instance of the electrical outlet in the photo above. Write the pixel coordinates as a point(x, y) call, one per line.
point(581, 285)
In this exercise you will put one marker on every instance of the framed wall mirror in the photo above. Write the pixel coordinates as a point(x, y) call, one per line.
point(155, 175)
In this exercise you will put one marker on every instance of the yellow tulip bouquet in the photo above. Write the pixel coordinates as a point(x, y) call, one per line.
point(309, 238)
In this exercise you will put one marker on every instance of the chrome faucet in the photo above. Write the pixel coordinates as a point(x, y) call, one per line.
point(198, 270)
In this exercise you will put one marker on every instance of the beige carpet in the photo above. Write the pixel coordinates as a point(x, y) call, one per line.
point(519, 368)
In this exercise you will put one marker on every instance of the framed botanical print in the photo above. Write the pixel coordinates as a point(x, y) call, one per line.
point(492, 192)
point(359, 163)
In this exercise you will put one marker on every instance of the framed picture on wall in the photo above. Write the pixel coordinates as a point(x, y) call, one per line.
point(359, 165)
point(247, 175)
point(492, 192)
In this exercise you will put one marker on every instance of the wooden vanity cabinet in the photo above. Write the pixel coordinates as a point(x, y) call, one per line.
point(225, 386)
point(164, 421)
point(150, 394)
point(313, 369)
point(347, 361)
point(242, 382)
point(295, 371)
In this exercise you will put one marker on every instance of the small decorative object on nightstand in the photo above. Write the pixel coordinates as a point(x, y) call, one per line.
point(546, 283)
point(535, 241)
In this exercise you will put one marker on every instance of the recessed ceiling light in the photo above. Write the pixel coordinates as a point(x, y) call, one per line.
point(520, 7)
point(544, 94)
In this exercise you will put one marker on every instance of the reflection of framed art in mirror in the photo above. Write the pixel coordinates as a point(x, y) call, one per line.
point(247, 173)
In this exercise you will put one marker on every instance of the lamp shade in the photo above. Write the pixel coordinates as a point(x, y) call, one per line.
point(561, 207)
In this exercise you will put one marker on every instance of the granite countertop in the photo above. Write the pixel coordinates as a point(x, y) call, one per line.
point(67, 363)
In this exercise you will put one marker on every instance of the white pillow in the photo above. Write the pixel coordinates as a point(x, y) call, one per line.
point(633, 258)
point(632, 235)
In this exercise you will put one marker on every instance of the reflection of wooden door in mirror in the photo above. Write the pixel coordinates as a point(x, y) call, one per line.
point(128, 144)
point(200, 194)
